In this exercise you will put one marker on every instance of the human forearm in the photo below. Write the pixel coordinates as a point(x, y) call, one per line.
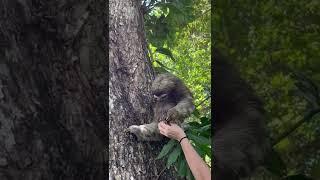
point(198, 167)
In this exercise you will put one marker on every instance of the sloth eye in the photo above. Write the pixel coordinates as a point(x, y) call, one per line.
point(163, 95)
point(158, 94)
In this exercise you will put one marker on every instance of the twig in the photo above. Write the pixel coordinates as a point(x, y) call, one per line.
point(203, 100)
point(161, 173)
point(298, 124)
point(162, 65)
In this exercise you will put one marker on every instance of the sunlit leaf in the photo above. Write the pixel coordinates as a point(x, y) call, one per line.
point(173, 156)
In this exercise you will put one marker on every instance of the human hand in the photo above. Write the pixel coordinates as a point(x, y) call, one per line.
point(172, 131)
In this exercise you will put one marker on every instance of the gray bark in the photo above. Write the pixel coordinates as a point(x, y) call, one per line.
point(130, 78)
point(52, 89)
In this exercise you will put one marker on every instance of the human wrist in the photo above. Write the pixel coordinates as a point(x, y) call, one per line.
point(182, 139)
point(181, 135)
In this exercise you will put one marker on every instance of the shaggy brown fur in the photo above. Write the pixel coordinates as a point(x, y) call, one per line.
point(173, 102)
point(240, 139)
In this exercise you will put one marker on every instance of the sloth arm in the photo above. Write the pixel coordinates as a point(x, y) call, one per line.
point(185, 106)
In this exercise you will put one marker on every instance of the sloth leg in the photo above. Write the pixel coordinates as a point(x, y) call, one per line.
point(146, 132)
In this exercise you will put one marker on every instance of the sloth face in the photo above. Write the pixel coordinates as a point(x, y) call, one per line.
point(165, 88)
point(160, 97)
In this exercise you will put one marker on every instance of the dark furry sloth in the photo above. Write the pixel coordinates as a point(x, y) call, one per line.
point(240, 140)
point(172, 103)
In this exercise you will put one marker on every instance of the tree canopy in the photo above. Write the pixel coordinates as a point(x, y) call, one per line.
point(179, 41)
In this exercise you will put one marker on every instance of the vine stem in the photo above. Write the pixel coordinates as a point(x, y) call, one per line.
point(306, 118)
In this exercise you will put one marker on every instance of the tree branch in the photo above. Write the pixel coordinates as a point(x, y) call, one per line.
point(203, 100)
point(306, 118)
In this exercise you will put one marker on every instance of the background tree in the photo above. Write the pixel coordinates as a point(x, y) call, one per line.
point(52, 89)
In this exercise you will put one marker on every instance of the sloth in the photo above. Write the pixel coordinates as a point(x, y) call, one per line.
point(240, 139)
point(172, 103)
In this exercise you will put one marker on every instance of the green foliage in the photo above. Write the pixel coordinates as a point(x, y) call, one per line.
point(166, 18)
point(179, 37)
point(166, 148)
point(271, 41)
point(182, 167)
point(165, 51)
point(275, 164)
point(199, 134)
point(173, 156)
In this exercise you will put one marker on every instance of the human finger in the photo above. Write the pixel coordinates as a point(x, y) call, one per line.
point(161, 125)
point(163, 133)
point(165, 125)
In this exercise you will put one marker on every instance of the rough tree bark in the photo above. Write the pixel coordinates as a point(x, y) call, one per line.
point(130, 78)
point(52, 85)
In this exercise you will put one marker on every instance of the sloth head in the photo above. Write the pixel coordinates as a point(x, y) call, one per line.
point(164, 86)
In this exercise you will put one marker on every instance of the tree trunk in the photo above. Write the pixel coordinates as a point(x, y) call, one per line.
point(130, 78)
point(52, 90)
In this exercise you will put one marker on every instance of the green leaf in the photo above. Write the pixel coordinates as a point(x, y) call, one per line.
point(205, 121)
point(194, 124)
point(204, 128)
point(173, 156)
point(166, 148)
point(189, 174)
point(163, 66)
point(199, 151)
point(199, 139)
point(275, 164)
point(182, 171)
point(196, 113)
point(160, 70)
point(206, 149)
point(165, 51)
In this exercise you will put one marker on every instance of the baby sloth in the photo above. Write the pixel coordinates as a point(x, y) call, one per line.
point(172, 103)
